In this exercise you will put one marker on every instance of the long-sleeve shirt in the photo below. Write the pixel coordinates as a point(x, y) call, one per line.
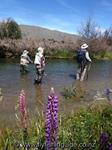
point(39, 60)
point(87, 56)
point(25, 59)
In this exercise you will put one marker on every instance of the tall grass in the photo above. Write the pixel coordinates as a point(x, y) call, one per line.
point(80, 130)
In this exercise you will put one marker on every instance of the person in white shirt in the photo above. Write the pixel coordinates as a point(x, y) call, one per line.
point(83, 60)
point(39, 65)
point(24, 61)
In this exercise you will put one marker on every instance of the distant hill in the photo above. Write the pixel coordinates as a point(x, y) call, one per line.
point(36, 32)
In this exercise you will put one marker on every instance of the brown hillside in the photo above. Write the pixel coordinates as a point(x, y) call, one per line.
point(36, 32)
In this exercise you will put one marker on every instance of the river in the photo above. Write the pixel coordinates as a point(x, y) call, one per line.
point(59, 73)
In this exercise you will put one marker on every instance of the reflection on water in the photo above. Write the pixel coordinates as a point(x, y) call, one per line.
point(39, 98)
point(59, 74)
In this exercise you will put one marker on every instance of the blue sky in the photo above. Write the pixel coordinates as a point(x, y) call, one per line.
point(62, 15)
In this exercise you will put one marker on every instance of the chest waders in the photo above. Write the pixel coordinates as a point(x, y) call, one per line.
point(83, 69)
point(39, 72)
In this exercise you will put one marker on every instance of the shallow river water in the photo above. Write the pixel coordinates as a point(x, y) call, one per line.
point(59, 73)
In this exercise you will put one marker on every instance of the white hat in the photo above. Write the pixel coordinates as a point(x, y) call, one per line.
point(84, 46)
point(25, 51)
point(40, 49)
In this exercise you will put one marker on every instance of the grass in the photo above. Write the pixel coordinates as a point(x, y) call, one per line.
point(85, 127)
point(69, 93)
point(103, 55)
point(81, 130)
point(60, 54)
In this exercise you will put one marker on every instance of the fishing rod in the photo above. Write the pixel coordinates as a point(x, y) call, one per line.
point(88, 68)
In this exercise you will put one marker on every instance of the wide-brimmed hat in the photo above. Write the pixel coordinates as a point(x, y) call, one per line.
point(40, 50)
point(84, 46)
point(25, 51)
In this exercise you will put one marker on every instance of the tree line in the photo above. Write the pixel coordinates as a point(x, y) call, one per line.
point(89, 32)
point(10, 29)
point(97, 38)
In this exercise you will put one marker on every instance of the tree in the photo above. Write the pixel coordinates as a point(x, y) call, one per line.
point(89, 30)
point(108, 36)
point(91, 34)
point(3, 30)
point(10, 29)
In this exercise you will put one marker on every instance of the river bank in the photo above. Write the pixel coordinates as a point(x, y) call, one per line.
point(13, 48)
point(81, 129)
point(53, 49)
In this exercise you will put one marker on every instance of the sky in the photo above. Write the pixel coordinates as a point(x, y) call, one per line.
point(62, 15)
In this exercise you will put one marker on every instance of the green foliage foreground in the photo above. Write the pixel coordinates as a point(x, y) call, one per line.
point(80, 130)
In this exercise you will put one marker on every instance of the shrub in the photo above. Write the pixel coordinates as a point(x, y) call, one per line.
point(10, 29)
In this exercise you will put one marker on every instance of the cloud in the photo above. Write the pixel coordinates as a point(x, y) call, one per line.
point(7, 4)
point(65, 22)
point(65, 4)
point(107, 4)
point(57, 23)
point(17, 13)
point(9, 1)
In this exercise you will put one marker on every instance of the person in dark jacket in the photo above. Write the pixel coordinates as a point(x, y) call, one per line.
point(83, 60)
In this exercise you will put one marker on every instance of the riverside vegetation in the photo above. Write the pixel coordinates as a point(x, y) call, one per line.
point(12, 42)
point(87, 128)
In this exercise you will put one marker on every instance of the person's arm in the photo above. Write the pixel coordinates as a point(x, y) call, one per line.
point(30, 59)
point(87, 57)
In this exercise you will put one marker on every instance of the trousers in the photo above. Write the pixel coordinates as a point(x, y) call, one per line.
point(39, 75)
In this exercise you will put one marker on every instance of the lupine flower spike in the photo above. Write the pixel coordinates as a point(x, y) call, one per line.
point(103, 141)
point(22, 108)
point(51, 123)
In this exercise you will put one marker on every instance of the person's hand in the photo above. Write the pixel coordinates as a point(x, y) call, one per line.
point(90, 61)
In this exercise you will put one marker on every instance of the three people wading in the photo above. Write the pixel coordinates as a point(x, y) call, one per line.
point(83, 60)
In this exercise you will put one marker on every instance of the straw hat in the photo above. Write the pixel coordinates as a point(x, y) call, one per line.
point(40, 50)
point(84, 46)
point(25, 51)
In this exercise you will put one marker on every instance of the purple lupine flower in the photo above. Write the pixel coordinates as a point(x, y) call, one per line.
point(103, 141)
point(110, 147)
point(51, 123)
point(103, 138)
point(22, 108)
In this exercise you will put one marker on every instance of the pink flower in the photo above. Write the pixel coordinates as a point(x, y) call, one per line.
point(22, 108)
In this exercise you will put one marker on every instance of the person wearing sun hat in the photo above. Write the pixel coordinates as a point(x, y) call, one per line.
point(83, 60)
point(39, 65)
point(24, 61)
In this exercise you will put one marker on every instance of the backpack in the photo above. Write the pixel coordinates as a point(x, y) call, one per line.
point(81, 56)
